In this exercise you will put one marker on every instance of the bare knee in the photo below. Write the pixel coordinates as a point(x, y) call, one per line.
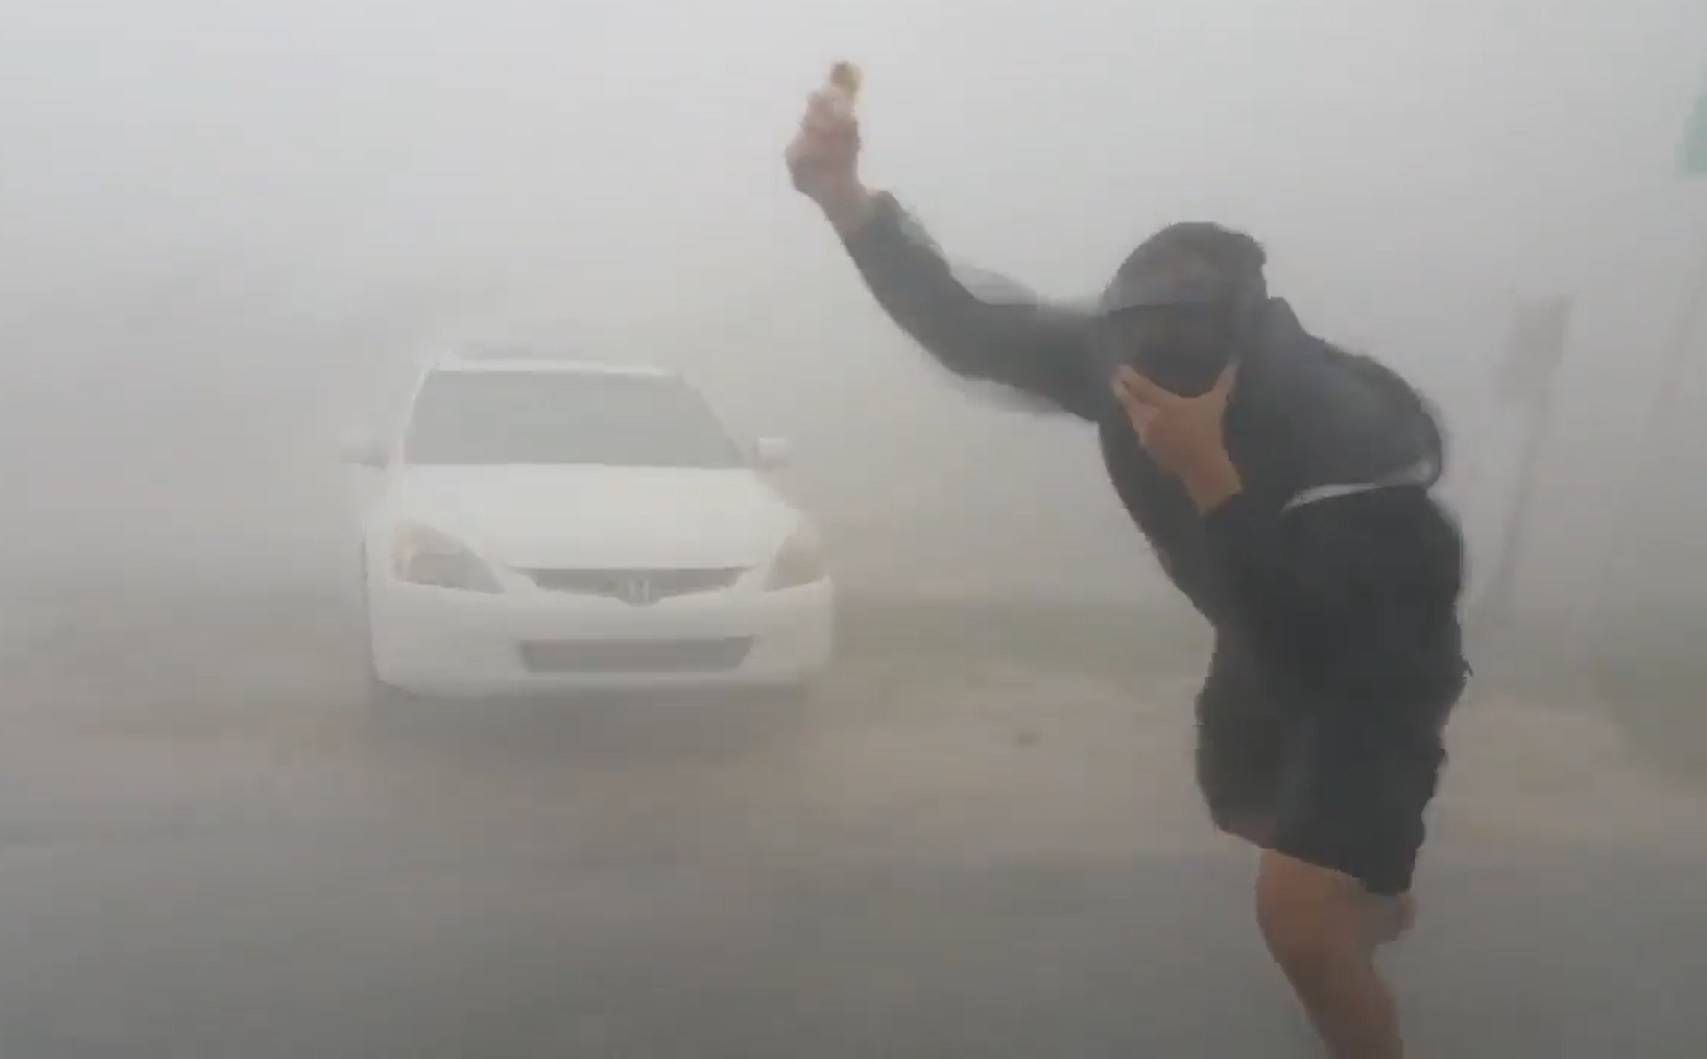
point(1308, 954)
point(1311, 919)
point(1315, 921)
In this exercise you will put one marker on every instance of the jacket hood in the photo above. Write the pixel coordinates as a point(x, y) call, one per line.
point(1309, 416)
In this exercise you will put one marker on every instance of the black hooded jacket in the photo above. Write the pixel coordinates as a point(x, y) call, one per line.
point(1334, 567)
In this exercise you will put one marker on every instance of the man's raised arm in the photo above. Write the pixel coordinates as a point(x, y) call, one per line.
point(980, 327)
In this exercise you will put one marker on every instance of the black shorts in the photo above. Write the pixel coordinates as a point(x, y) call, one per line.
point(1342, 785)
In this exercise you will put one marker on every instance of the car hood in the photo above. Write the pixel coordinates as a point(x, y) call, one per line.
point(586, 517)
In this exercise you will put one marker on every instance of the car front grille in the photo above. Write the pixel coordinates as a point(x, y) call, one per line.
point(639, 587)
point(635, 656)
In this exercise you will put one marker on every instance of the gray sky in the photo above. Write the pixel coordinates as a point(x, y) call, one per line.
point(225, 219)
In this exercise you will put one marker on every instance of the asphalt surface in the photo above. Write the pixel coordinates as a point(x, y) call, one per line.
point(208, 849)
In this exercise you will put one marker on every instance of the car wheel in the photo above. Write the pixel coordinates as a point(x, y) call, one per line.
point(795, 695)
point(380, 694)
point(383, 702)
point(387, 707)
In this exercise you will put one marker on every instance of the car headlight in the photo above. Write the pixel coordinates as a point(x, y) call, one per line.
point(799, 562)
point(425, 556)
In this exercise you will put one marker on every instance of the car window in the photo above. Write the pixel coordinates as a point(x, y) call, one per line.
point(500, 417)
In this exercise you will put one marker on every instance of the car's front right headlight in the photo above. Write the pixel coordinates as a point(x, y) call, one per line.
point(800, 561)
point(426, 556)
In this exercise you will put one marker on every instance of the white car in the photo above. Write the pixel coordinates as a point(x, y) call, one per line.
point(554, 527)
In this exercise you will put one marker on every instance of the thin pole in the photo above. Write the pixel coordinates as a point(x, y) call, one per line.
point(1496, 595)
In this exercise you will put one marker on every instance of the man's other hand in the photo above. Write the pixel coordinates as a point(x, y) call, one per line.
point(1186, 436)
point(823, 160)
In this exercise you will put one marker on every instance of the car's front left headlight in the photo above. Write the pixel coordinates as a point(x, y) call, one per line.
point(426, 556)
point(800, 561)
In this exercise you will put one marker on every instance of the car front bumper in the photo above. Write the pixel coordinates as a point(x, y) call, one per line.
point(444, 642)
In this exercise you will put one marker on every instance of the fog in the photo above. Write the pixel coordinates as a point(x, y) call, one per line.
point(226, 226)
point(233, 232)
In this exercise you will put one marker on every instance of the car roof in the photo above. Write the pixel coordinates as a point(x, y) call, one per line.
point(552, 367)
point(495, 358)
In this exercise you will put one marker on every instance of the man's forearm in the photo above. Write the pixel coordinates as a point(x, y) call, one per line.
point(849, 209)
point(1213, 483)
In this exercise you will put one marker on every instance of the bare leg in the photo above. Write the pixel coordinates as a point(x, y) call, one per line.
point(1393, 917)
point(1322, 928)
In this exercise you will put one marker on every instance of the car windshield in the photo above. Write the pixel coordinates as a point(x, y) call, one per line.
point(553, 417)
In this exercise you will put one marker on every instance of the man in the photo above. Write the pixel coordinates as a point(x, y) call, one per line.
point(1283, 484)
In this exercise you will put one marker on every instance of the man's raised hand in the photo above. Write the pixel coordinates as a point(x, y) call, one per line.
point(823, 160)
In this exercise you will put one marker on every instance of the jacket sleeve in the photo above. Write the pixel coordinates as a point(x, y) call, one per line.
point(986, 329)
point(1355, 595)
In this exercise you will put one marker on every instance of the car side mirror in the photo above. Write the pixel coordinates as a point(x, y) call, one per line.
point(771, 454)
point(363, 452)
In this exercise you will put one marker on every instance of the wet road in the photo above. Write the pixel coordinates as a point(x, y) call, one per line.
point(206, 850)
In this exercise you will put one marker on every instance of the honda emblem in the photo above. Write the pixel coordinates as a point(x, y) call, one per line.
point(637, 591)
